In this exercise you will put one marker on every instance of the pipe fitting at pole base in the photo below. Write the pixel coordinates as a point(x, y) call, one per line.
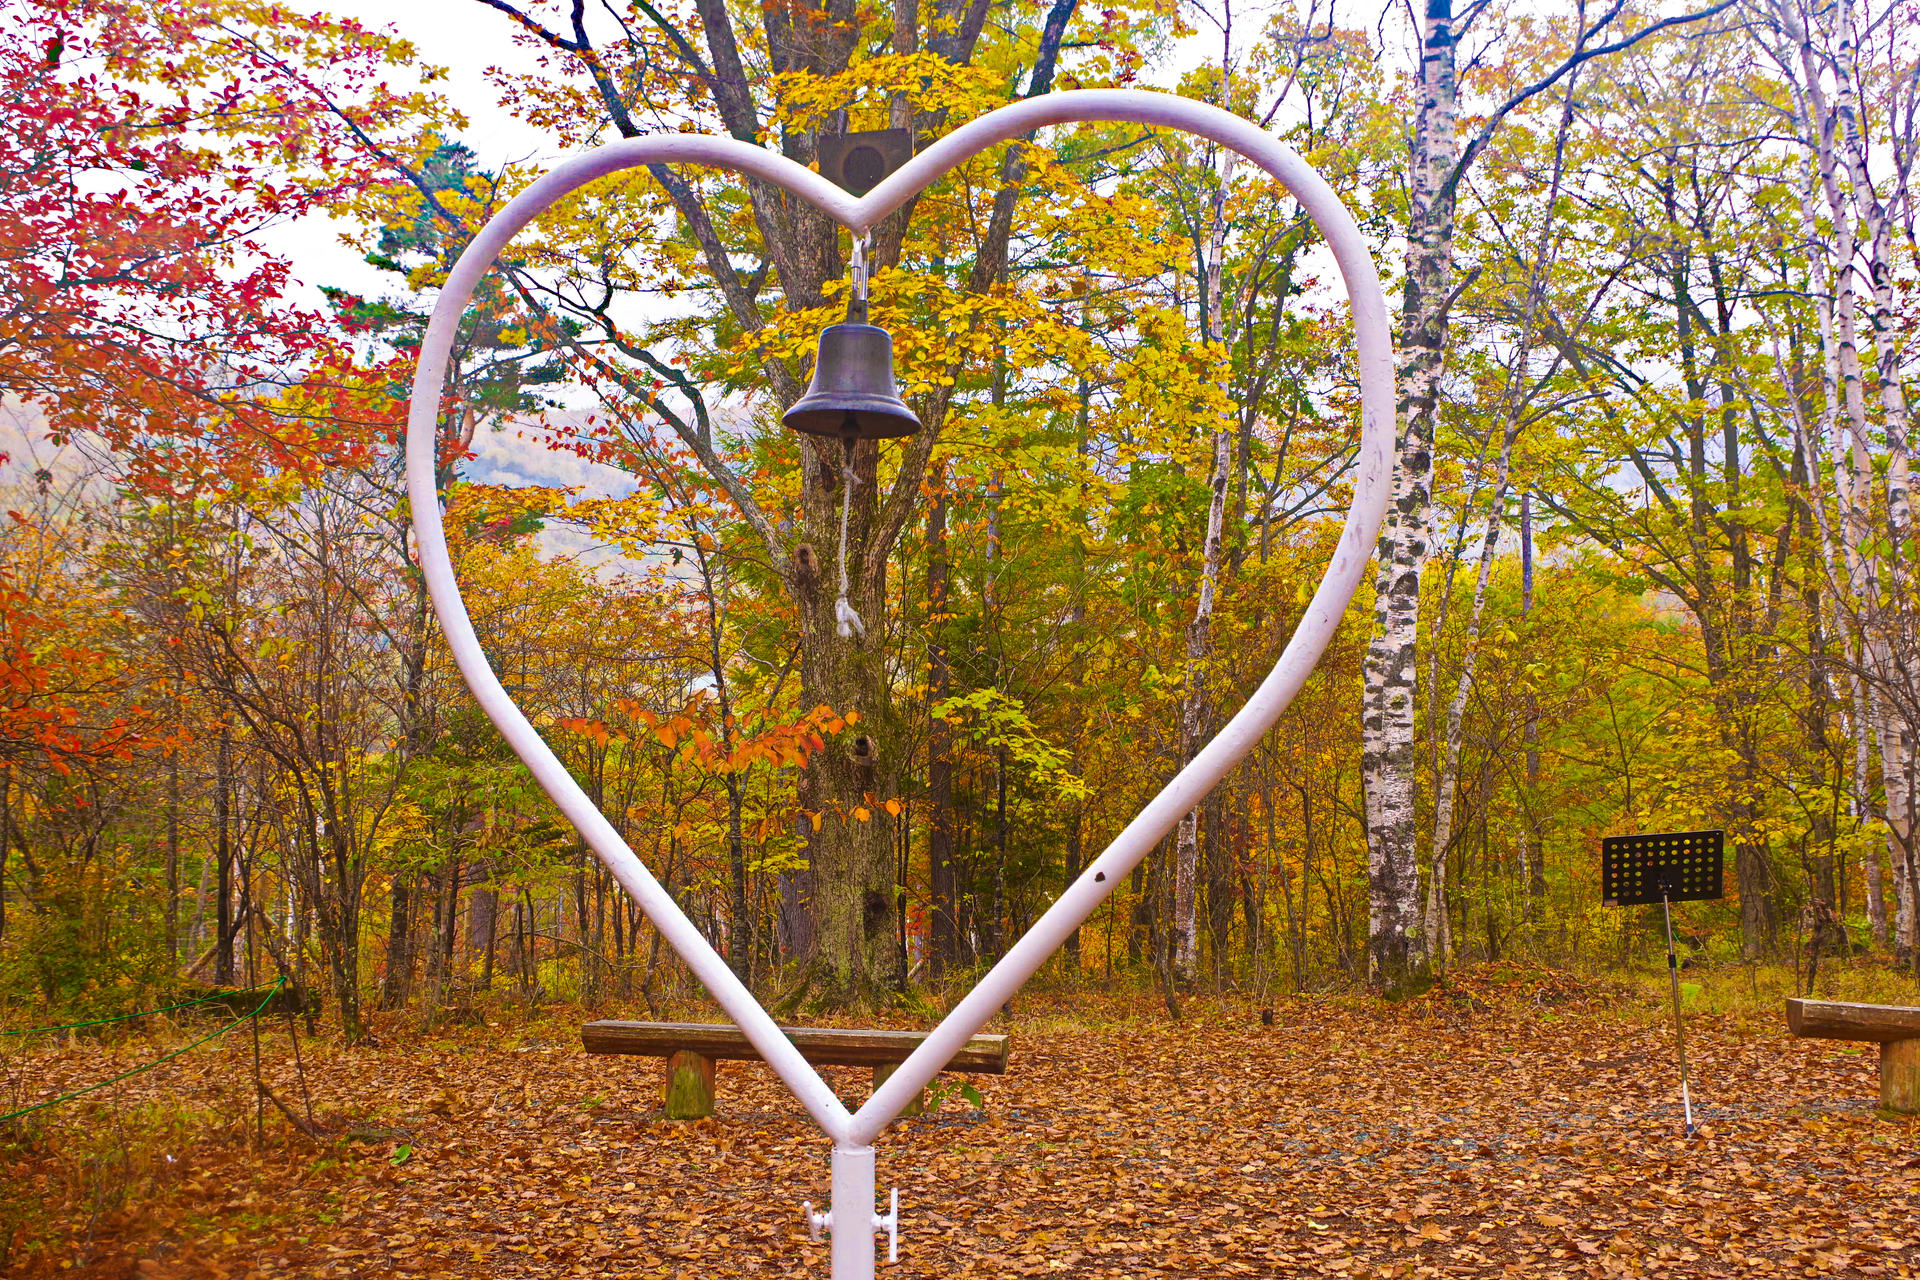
point(889, 1222)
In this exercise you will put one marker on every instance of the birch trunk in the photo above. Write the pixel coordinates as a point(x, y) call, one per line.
point(1193, 708)
point(1822, 273)
point(1439, 926)
point(1894, 729)
point(1853, 478)
point(1186, 940)
point(1884, 322)
point(1396, 953)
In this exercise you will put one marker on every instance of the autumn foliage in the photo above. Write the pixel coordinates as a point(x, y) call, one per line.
point(151, 145)
point(1656, 573)
point(44, 683)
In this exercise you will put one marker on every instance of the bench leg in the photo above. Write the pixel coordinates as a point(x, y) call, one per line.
point(1900, 1076)
point(914, 1108)
point(689, 1088)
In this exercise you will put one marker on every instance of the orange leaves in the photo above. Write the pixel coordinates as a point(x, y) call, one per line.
point(57, 695)
point(699, 743)
point(594, 731)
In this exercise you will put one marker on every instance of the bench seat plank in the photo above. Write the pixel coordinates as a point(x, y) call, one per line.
point(828, 1046)
point(1835, 1020)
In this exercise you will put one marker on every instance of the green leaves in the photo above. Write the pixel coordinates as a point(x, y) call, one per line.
point(993, 721)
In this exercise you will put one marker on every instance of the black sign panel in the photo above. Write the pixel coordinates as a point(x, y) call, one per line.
point(1680, 866)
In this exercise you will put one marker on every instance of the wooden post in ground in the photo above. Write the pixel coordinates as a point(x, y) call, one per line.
point(1900, 1076)
point(914, 1108)
point(689, 1088)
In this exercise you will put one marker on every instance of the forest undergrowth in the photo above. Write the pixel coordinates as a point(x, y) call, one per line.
point(1505, 1124)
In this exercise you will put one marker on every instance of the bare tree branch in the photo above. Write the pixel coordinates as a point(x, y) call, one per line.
point(1581, 55)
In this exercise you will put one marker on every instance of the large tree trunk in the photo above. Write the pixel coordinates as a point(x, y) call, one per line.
point(851, 859)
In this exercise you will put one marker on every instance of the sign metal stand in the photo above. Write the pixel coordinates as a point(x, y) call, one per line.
point(1665, 867)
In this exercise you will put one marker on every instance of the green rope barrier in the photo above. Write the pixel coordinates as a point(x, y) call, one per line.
point(165, 1008)
point(213, 1035)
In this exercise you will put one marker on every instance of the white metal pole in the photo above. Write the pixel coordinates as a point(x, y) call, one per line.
point(853, 1225)
point(853, 1179)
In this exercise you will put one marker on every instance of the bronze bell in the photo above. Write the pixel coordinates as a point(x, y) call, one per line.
point(853, 396)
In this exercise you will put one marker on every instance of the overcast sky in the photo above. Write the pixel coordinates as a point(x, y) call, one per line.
point(465, 38)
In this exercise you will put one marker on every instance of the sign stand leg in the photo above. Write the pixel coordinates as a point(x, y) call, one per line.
point(1679, 1033)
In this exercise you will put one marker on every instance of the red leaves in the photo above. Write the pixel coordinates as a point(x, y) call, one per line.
point(134, 185)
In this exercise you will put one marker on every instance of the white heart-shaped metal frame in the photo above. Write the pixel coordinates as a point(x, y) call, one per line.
point(853, 1132)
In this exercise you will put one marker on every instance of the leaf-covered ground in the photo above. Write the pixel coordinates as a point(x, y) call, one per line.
point(1346, 1140)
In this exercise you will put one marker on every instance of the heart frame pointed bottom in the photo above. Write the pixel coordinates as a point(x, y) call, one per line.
point(851, 1219)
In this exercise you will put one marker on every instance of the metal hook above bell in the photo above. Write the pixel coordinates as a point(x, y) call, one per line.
point(853, 396)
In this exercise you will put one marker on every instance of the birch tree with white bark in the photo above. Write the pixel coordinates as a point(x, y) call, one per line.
point(1397, 955)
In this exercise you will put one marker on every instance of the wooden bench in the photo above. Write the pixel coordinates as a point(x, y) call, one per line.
point(1894, 1028)
point(693, 1051)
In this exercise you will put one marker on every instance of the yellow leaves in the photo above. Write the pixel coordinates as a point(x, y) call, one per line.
point(865, 89)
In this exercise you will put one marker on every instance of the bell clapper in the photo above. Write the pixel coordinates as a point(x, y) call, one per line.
point(857, 280)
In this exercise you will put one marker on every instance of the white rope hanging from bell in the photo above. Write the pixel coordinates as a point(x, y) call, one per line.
point(847, 621)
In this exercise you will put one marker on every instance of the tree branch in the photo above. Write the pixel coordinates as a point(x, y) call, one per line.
point(1581, 55)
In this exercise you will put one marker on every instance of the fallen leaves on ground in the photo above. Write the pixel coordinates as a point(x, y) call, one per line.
point(1348, 1139)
